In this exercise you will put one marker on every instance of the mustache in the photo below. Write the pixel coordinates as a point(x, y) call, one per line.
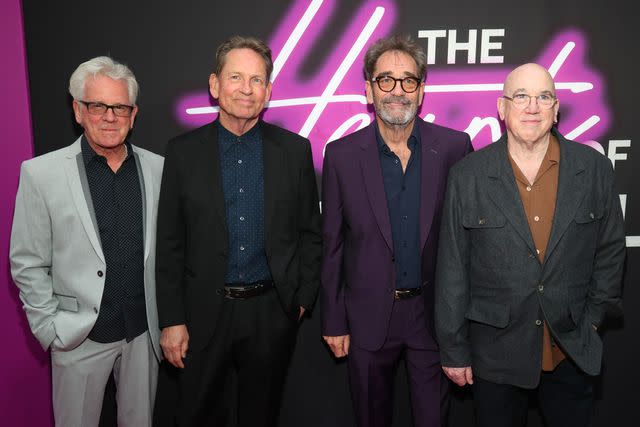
point(396, 99)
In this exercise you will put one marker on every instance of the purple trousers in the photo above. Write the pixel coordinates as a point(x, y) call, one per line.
point(372, 373)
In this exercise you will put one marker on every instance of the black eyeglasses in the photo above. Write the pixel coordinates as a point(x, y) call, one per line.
point(99, 108)
point(388, 83)
point(522, 100)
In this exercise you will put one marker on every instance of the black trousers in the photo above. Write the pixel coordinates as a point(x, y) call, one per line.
point(565, 396)
point(253, 342)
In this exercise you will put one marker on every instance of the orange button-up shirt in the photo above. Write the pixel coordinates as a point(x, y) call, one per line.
point(539, 202)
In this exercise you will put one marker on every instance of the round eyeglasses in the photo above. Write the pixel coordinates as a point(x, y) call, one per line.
point(522, 100)
point(388, 83)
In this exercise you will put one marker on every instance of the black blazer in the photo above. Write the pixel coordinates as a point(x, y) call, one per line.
point(492, 292)
point(192, 237)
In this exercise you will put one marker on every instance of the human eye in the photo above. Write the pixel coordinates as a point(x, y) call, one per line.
point(520, 97)
point(257, 80)
point(122, 110)
point(96, 107)
point(545, 97)
point(412, 81)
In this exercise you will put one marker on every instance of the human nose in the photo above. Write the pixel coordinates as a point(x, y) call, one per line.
point(246, 87)
point(397, 89)
point(109, 115)
point(533, 106)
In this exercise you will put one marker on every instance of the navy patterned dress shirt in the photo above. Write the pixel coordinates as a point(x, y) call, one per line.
point(117, 204)
point(242, 168)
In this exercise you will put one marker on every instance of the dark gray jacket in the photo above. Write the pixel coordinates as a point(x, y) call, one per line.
point(492, 293)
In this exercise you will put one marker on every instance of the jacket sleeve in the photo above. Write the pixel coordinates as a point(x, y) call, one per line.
point(30, 257)
point(334, 318)
point(170, 244)
point(604, 295)
point(452, 283)
point(309, 235)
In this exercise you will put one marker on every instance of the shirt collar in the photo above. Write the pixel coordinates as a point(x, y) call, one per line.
point(412, 143)
point(88, 153)
point(226, 138)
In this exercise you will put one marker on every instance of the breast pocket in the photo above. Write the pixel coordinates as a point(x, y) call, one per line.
point(489, 238)
point(585, 230)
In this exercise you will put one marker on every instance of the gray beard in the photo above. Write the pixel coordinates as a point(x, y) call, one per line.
point(398, 119)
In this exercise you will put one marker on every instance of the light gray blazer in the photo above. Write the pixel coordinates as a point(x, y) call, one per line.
point(56, 255)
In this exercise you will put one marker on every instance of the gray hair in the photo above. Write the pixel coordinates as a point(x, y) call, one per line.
point(395, 43)
point(241, 42)
point(103, 66)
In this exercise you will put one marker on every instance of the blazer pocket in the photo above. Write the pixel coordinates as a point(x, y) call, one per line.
point(479, 221)
point(588, 215)
point(67, 303)
point(489, 313)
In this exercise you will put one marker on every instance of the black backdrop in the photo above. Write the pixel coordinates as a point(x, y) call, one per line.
point(171, 45)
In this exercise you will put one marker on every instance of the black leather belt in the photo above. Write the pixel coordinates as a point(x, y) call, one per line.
point(407, 293)
point(246, 290)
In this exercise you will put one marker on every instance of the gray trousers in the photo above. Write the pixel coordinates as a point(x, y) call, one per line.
point(80, 376)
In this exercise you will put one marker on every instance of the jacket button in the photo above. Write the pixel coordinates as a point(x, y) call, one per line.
point(538, 322)
point(540, 287)
point(393, 259)
point(95, 310)
point(100, 273)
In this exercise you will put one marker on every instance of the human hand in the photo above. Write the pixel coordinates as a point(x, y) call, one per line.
point(339, 345)
point(460, 376)
point(174, 341)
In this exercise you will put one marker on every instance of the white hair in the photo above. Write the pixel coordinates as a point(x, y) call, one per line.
point(104, 66)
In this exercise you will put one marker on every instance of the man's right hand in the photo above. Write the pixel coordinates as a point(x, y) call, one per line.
point(460, 376)
point(339, 345)
point(174, 341)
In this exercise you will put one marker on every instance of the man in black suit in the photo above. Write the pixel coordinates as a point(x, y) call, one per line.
point(530, 261)
point(238, 251)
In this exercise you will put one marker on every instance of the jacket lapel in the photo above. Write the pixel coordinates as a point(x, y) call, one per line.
point(74, 167)
point(273, 166)
point(147, 185)
point(209, 161)
point(504, 193)
point(430, 179)
point(372, 175)
point(571, 191)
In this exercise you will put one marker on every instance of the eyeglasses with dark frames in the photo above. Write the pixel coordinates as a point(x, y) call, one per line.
point(388, 83)
point(99, 108)
point(522, 100)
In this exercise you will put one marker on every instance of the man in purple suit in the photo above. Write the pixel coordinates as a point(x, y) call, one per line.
point(382, 191)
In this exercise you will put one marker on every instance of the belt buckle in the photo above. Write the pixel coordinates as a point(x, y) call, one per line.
point(400, 294)
point(241, 292)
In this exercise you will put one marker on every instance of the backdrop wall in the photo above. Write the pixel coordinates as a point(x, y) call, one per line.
point(318, 46)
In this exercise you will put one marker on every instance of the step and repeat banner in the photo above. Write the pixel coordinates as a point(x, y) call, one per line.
point(318, 91)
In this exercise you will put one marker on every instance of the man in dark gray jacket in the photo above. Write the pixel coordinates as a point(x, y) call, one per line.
point(530, 260)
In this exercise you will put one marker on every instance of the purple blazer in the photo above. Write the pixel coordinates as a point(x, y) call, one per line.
point(358, 274)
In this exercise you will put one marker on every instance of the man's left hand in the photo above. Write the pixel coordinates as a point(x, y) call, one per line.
point(302, 310)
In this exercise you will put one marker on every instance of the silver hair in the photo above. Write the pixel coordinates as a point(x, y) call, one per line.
point(104, 66)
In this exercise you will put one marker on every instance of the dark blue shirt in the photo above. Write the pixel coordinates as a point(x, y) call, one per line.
point(403, 200)
point(117, 205)
point(242, 166)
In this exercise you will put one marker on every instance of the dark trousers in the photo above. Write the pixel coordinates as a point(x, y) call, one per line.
point(254, 340)
point(565, 396)
point(372, 373)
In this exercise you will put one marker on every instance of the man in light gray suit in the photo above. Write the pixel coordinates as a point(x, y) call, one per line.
point(83, 253)
point(530, 262)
